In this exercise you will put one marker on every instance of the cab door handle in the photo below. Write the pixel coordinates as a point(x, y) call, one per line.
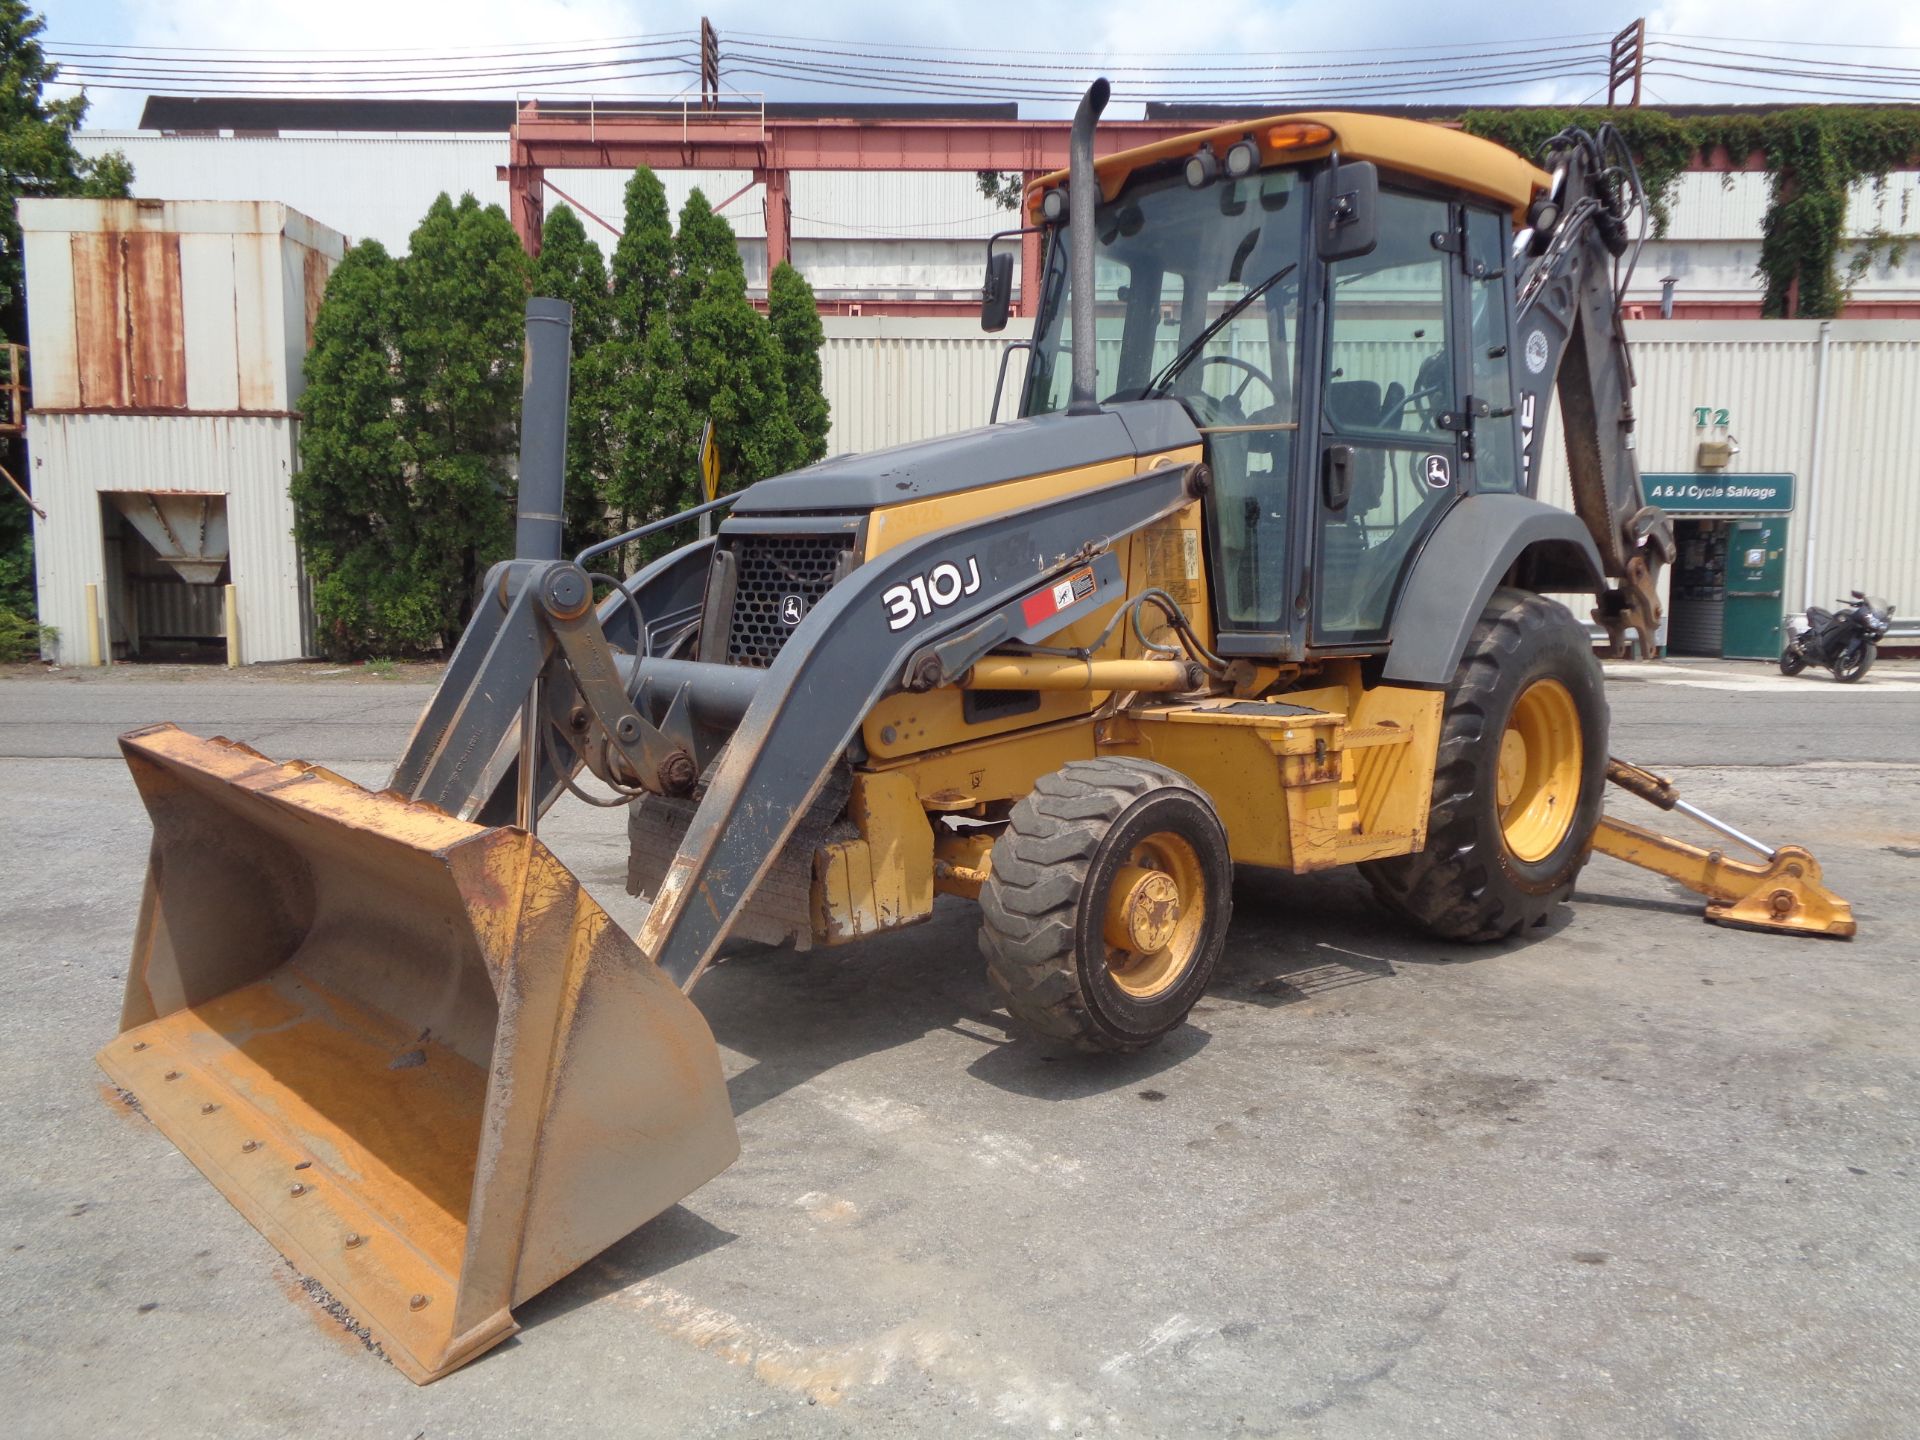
point(1336, 476)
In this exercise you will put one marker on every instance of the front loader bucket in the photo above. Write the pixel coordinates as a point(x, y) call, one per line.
point(411, 1050)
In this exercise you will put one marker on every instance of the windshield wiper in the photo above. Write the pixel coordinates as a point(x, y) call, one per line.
point(1180, 362)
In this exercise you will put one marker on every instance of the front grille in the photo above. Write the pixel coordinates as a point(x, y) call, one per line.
point(769, 571)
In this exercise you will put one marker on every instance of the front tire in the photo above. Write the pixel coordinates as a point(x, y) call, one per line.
point(1854, 664)
point(1517, 782)
point(1107, 903)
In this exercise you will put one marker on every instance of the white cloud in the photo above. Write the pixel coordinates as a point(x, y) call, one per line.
point(1085, 36)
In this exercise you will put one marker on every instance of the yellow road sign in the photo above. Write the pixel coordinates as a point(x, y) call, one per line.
point(709, 462)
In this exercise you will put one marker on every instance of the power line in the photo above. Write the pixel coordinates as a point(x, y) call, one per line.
point(1102, 67)
point(1794, 44)
point(128, 72)
point(306, 52)
point(843, 46)
point(823, 64)
point(1902, 70)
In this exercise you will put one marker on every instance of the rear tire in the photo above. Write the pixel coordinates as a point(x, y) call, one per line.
point(1792, 659)
point(1851, 666)
point(1517, 782)
point(1107, 903)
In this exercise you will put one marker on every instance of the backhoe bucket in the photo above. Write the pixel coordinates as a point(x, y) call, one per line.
point(411, 1050)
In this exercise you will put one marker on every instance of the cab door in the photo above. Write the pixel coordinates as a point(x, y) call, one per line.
point(1390, 457)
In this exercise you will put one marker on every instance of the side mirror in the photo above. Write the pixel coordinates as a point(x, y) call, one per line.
point(1350, 221)
point(996, 295)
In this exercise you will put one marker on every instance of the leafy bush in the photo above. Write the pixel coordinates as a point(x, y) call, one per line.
point(404, 494)
point(22, 638)
point(405, 491)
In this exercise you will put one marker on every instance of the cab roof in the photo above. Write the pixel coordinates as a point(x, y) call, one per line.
point(1413, 147)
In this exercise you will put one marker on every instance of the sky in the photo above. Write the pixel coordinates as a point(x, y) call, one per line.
point(1080, 38)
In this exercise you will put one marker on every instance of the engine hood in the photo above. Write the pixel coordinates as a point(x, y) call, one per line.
point(990, 455)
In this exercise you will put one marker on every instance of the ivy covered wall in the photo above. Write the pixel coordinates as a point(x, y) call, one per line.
point(1812, 155)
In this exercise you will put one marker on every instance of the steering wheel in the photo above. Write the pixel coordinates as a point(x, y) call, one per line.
point(1230, 404)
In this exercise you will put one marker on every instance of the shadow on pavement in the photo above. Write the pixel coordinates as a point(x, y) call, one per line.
point(664, 1243)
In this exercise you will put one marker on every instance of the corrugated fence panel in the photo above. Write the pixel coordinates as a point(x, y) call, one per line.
point(249, 459)
point(1867, 535)
point(894, 380)
point(1862, 510)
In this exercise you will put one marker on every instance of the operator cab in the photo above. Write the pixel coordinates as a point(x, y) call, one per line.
point(1337, 329)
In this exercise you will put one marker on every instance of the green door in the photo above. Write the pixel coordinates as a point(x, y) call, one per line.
point(1756, 567)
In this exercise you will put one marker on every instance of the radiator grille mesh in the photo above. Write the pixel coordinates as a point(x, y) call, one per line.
point(771, 571)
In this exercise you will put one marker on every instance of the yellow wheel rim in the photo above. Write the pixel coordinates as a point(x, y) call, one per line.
point(1541, 755)
point(1155, 913)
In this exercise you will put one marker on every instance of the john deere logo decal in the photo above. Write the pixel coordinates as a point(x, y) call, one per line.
point(793, 610)
point(1439, 475)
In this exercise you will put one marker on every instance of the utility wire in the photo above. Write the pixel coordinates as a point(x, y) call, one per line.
point(737, 50)
point(843, 47)
point(823, 64)
point(306, 52)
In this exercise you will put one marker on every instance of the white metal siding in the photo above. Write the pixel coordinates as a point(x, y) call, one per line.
point(892, 379)
point(249, 459)
point(378, 186)
point(1865, 514)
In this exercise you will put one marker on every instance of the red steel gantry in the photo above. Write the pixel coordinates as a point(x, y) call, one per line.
point(586, 136)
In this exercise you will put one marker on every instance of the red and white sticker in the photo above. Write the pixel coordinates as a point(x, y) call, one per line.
point(1063, 594)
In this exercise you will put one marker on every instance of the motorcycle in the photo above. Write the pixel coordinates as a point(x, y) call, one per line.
point(1845, 641)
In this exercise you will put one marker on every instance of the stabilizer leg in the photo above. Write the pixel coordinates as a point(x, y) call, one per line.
point(1783, 893)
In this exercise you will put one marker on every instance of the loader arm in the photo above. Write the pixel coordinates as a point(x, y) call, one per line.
point(1572, 341)
point(653, 723)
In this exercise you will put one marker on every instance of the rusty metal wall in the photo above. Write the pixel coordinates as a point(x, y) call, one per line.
point(249, 459)
point(171, 305)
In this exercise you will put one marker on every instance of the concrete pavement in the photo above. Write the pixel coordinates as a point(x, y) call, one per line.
point(1629, 1175)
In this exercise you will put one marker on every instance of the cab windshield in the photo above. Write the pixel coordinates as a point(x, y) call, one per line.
point(1197, 296)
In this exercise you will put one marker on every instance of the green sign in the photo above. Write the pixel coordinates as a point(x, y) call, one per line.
point(1720, 494)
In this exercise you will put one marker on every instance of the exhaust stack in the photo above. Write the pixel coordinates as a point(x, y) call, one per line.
point(1083, 197)
point(543, 430)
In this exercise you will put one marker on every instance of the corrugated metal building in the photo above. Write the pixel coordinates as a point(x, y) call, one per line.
point(168, 340)
point(855, 235)
point(888, 235)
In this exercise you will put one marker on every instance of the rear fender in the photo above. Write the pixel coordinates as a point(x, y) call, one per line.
point(1474, 547)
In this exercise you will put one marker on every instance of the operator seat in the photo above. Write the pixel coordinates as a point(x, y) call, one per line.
point(1354, 406)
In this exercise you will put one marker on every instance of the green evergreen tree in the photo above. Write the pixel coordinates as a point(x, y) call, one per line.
point(570, 269)
point(411, 422)
point(354, 514)
point(795, 317)
point(37, 157)
point(643, 256)
point(639, 365)
point(734, 373)
point(459, 341)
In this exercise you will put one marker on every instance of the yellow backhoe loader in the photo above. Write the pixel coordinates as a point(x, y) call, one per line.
point(1256, 577)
